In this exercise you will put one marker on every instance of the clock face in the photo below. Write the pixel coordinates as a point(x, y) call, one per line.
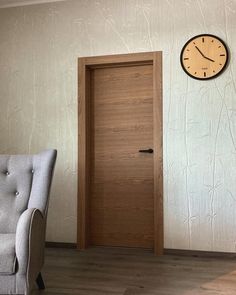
point(204, 57)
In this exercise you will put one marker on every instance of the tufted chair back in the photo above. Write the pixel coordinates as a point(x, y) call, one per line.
point(24, 183)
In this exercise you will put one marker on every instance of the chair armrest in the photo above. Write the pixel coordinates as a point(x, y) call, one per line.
point(30, 237)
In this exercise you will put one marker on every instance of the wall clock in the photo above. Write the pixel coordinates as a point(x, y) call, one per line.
point(204, 57)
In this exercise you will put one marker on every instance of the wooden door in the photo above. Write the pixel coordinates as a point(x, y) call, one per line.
point(120, 194)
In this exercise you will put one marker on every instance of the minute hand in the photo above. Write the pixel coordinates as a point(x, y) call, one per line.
point(204, 55)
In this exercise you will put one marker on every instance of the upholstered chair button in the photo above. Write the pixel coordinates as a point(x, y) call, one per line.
point(7, 173)
point(32, 170)
point(16, 193)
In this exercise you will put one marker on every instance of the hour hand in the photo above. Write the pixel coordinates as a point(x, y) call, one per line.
point(209, 58)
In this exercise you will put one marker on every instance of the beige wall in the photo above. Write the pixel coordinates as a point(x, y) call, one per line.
point(39, 47)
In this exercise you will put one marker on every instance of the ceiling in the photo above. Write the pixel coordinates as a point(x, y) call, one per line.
point(14, 3)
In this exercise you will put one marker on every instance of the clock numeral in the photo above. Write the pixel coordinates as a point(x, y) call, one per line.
point(204, 74)
point(202, 40)
point(222, 54)
point(186, 58)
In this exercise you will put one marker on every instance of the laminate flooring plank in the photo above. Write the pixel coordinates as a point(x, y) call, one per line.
point(117, 271)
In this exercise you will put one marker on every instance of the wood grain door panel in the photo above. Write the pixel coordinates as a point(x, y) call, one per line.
point(121, 204)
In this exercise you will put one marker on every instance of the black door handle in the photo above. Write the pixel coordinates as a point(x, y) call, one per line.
point(150, 151)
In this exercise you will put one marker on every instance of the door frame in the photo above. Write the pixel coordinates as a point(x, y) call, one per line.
point(85, 65)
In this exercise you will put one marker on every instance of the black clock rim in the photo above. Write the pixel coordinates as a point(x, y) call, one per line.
point(220, 72)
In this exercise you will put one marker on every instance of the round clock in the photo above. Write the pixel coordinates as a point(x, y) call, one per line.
point(204, 57)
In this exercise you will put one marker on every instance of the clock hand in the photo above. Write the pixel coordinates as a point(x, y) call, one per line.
point(200, 51)
point(204, 55)
point(209, 59)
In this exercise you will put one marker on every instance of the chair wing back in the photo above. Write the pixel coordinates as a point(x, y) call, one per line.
point(43, 166)
point(24, 183)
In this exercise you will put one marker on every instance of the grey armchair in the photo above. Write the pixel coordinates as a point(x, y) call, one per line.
point(25, 182)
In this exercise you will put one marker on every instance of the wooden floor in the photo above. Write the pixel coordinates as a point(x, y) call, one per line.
point(99, 271)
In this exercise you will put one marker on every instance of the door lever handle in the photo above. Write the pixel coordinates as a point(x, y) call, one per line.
point(150, 151)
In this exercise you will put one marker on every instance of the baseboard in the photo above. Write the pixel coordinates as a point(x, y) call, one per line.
point(61, 245)
point(196, 253)
point(177, 252)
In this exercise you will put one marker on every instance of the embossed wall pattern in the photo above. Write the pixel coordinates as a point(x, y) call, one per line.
point(39, 47)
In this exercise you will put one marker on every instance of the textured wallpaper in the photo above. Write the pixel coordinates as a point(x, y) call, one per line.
point(39, 47)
